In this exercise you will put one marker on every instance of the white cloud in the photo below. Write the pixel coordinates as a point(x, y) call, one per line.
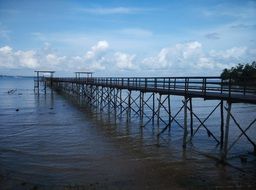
point(94, 58)
point(159, 61)
point(100, 46)
point(6, 57)
point(5, 50)
point(205, 63)
point(188, 58)
point(189, 50)
point(124, 61)
point(27, 59)
point(77, 58)
point(191, 58)
point(97, 49)
point(31, 59)
point(177, 56)
point(232, 53)
point(54, 59)
point(11, 59)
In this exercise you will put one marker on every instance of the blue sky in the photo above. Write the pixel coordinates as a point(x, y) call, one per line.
point(126, 38)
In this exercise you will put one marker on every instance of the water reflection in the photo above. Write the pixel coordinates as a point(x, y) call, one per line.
point(44, 99)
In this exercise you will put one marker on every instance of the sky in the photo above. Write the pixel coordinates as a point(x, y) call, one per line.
point(126, 37)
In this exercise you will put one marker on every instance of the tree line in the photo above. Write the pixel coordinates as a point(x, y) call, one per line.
point(240, 72)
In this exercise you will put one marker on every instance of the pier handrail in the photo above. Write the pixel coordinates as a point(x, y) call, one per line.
point(186, 85)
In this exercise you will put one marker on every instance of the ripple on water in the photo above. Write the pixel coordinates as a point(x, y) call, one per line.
point(50, 141)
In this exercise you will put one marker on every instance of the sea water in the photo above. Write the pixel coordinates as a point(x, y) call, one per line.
point(48, 140)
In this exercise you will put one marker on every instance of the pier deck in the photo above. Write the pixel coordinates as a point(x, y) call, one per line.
point(191, 87)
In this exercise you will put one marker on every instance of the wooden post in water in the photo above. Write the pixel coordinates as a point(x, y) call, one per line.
point(37, 75)
point(185, 123)
point(141, 108)
point(101, 98)
point(129, 106)
point(140, 105)
point(191, 117)
point(109, 99)
point(120, 101)
point(225, 150)
point(44, 85)
point(158, 110)
point(115, 102)
point(169, 112)
point(221, 124)
point(153, 110)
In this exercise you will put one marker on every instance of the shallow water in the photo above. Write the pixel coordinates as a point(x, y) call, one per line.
point(48, 141)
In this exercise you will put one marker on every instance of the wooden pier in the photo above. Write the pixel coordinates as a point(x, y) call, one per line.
point(40, 78)
point(125, 95)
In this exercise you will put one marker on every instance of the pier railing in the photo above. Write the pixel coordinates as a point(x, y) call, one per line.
point(199, 86)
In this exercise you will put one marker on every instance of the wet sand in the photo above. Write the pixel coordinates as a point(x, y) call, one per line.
point(145, 174)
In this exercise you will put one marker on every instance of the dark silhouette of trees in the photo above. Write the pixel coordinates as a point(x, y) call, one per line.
point(240, 72)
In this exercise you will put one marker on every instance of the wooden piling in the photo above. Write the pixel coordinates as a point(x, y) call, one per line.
point(169, 113)
point(185, 123)
point(191, 117)
point(129, 106)
point(158, 110)
point(153, 110)
point(222, 124)
point(141, 108)
point(225, 150)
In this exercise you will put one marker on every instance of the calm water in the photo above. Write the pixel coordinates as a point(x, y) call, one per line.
point(48, 141)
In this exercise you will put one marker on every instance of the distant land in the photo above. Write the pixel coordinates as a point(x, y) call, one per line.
point(17, 76)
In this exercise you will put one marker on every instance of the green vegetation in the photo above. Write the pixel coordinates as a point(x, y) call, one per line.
point(239, 72)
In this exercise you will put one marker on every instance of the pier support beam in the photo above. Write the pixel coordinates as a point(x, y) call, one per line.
point(129, 106)
point(191, 116)
point(225, 150)
point(141, 108)
point(158, 110)
point(202, 124)
point(173, 119)
point(222, 124)
point(185, 134)
point(153, 110)
point(148, 104)
point(170, 113)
